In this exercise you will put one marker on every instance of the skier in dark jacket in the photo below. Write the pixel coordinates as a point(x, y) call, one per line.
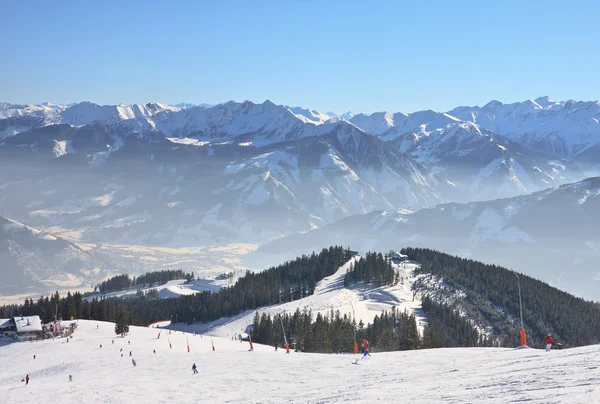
point(195, 369)
point(26, 380)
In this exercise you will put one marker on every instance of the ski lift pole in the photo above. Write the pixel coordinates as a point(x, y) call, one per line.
point(522, 330)
point(355, 347)
point(287, 347)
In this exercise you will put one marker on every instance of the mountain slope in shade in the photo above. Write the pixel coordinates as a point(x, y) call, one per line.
point(548, 234)
point(183, 191)
point(33, 259)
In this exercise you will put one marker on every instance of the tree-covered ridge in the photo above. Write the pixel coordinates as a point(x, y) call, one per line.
point(123, 282)
point(491, 298)
point(373, 268)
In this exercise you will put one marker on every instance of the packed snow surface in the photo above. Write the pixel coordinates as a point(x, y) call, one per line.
point(232, 374)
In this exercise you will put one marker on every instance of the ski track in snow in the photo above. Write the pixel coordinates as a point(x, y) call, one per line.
point(231, 374)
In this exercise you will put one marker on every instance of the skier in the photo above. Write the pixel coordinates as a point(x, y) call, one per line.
point(128, 342)
point(154, 350)
point(121, 355)
point(100, 346)
point(26, 380)
point(70, 378)
point(549, 341)
point(130, 354)
point(97, 326)
point(34, 357)
point(365, 349)
point(133, 362)
point(195, 369)
point(121, 350)
point(113, 341)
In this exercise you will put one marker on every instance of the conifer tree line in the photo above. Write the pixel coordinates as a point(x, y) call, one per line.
point(390, 331)
point(373, 268)
point(489, 299)
point(290, 281)
point(123, 282)
point(571, 320)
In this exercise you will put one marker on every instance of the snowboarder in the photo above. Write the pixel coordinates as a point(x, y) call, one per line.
point(26, 380)
point(70, 378)
point(195, 369)
point(549, 341)
point(365, 349)
point(133, 362)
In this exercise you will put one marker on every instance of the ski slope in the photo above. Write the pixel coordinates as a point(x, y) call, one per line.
point(363, 302)
point(231, 374)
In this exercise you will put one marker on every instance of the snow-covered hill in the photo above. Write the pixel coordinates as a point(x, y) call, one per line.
point(492, 375)
point(362, 302)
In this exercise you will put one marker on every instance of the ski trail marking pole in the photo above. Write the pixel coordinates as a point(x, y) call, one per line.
point(158, 335)
point(188, 343)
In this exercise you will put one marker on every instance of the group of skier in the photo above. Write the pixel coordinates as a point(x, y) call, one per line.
point(548, 340)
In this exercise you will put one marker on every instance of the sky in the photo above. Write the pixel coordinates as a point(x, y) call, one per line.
point(360, 56)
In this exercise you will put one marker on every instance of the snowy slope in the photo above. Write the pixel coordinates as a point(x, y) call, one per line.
point(363, 302)
point(231, 374)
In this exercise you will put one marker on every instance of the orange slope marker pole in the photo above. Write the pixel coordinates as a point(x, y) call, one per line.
point(523, 337)
point(158, 335)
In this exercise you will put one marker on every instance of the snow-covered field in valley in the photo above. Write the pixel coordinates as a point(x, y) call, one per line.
point(232, 374)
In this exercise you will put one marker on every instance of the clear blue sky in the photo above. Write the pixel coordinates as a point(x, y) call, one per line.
point(328, 55)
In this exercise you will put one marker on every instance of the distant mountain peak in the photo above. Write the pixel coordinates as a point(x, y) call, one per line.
point(544, 101)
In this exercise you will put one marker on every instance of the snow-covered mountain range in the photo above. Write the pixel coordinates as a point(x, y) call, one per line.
point(183, 175)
